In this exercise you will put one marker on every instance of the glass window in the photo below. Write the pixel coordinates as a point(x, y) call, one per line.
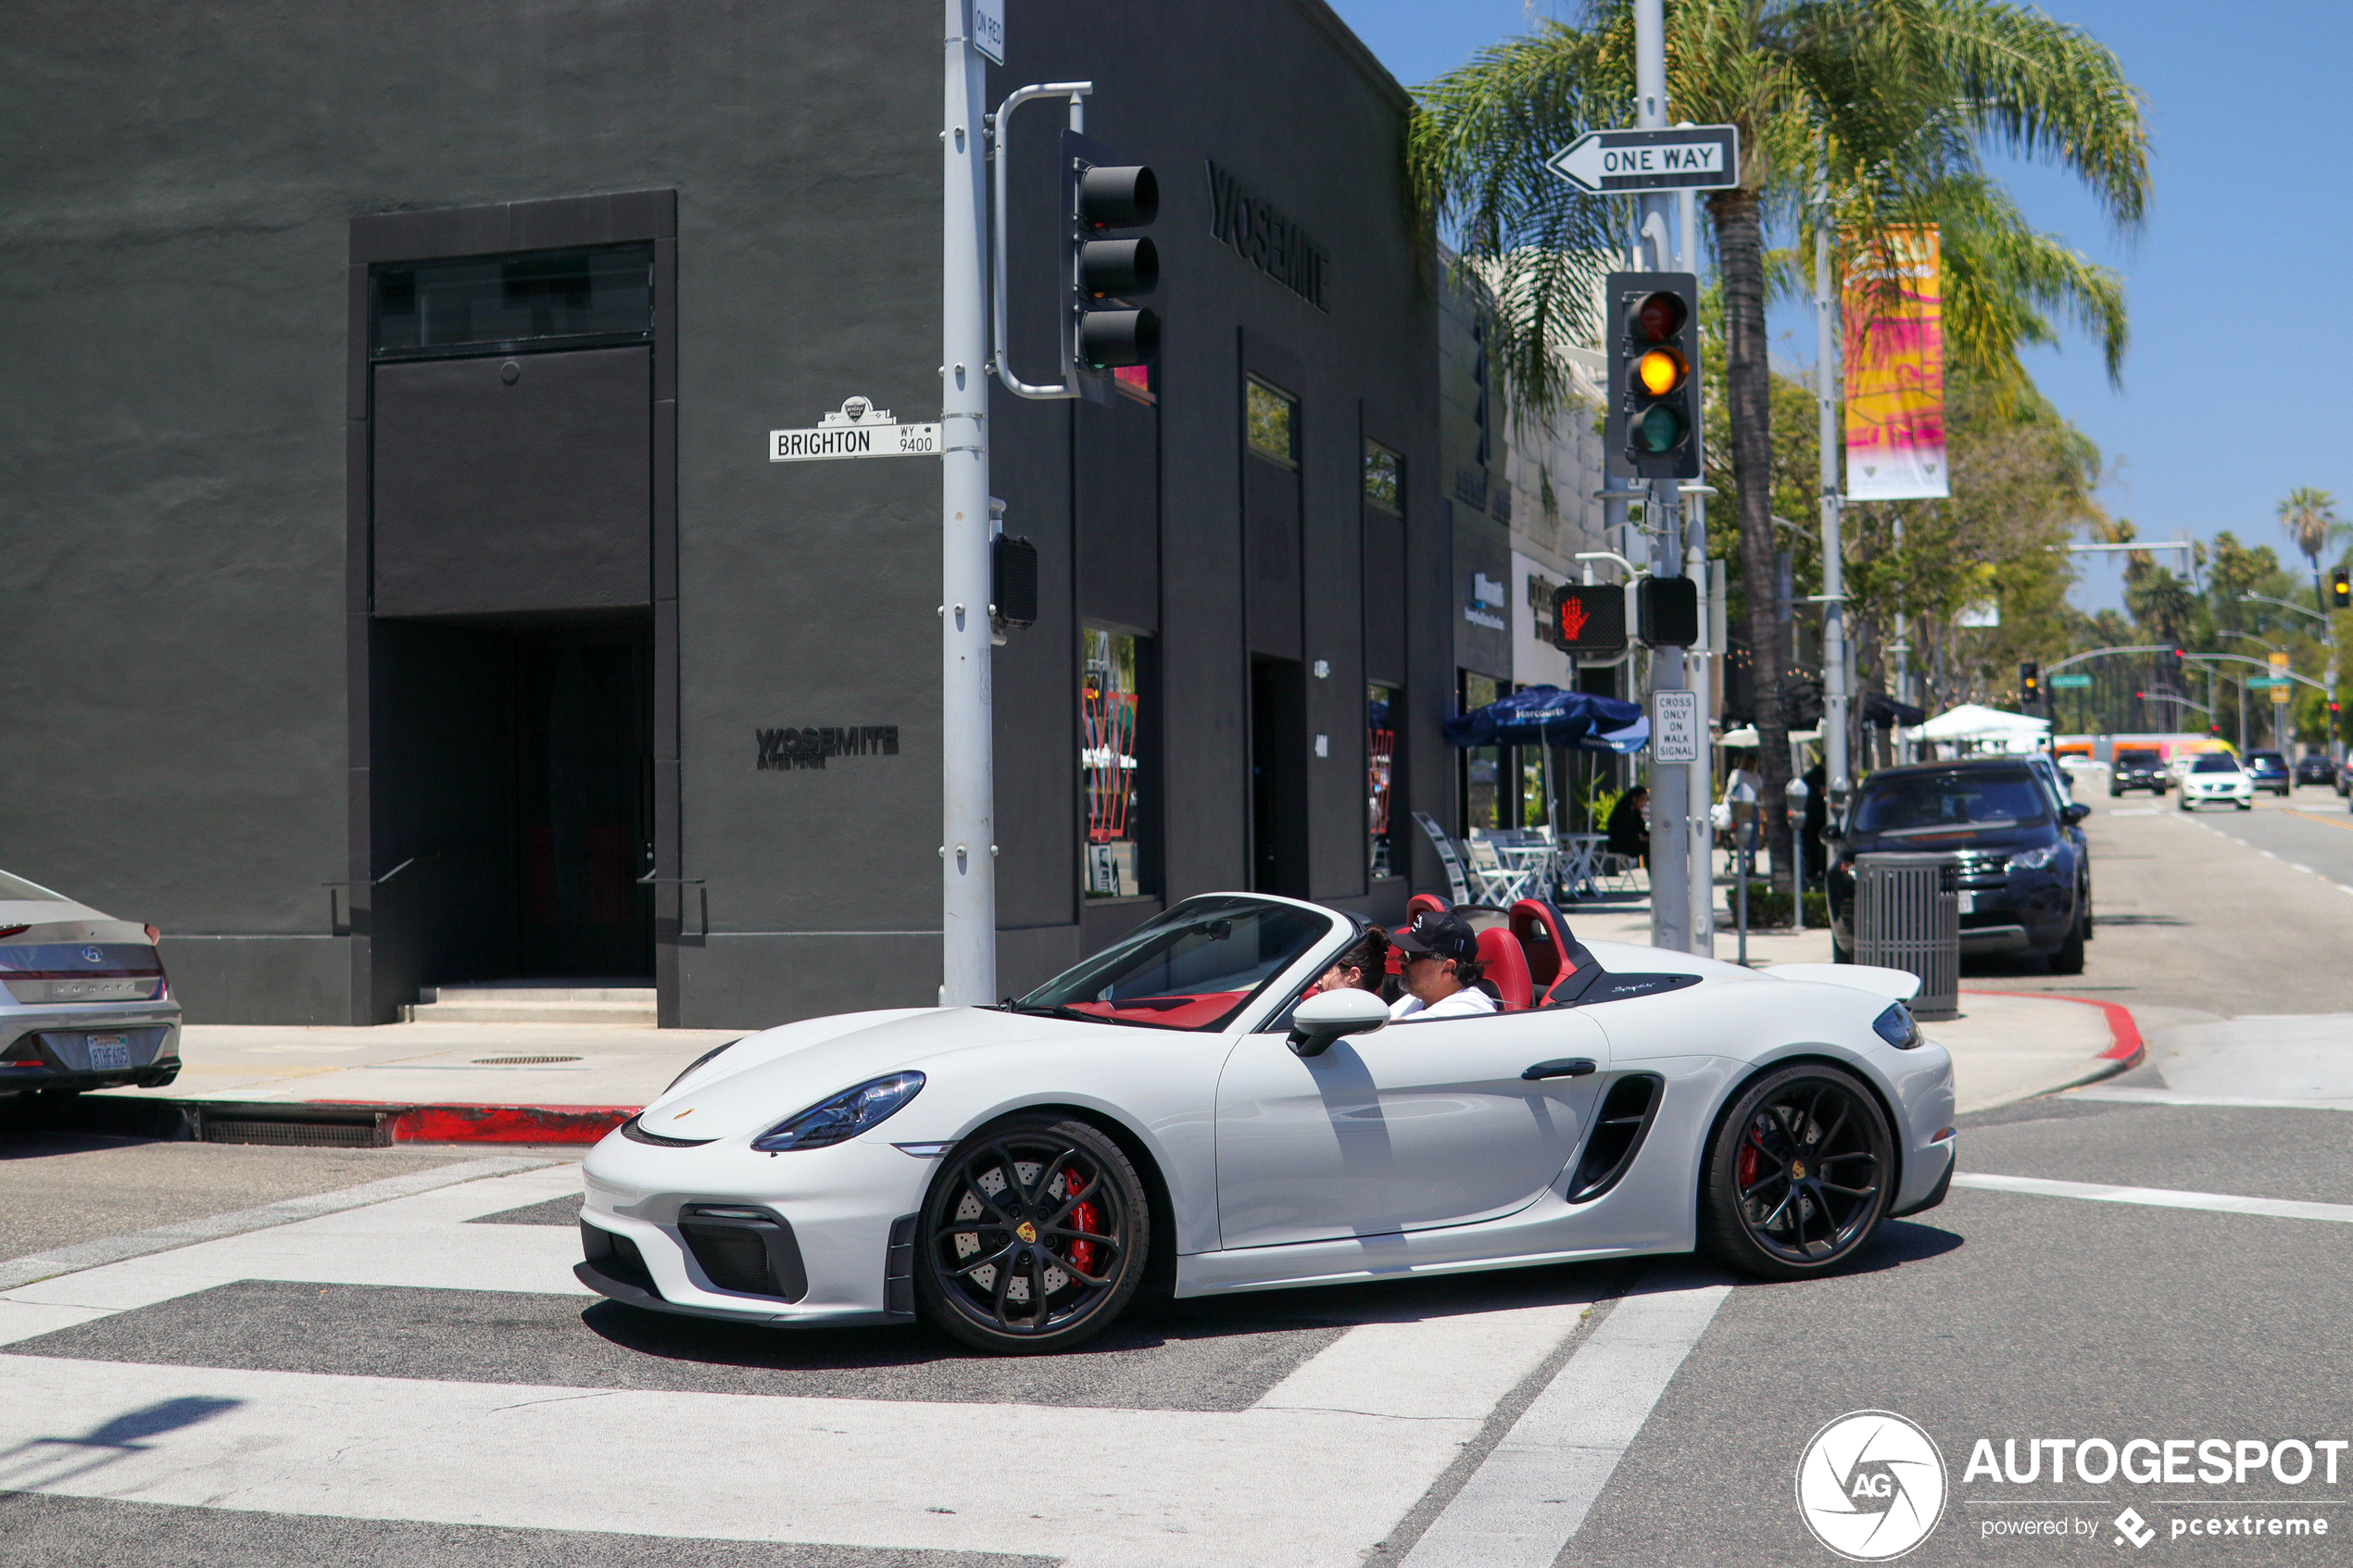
point(1486, 792)
point(1380, 777)
point(1949, 800)
point(1273, 420)
point(484, 304)
point(1111, 762)
point(2218, 762)
point(1384, 478)
point(1192, 968)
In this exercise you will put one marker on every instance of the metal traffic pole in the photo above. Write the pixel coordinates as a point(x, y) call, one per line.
point(1833, 575)
point(1703, 663)
point(1671, 914)
point(968, 834)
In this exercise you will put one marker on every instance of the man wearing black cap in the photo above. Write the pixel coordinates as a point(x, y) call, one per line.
point(1442, 969)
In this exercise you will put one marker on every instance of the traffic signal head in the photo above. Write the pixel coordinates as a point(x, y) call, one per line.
point(1654, 392)
point(1666, 611)
point(2030, 680)
point(1105, 274)
point(2341, 589)
point(1590, 617)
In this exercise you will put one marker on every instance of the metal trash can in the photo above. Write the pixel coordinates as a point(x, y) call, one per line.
point(1908, 916)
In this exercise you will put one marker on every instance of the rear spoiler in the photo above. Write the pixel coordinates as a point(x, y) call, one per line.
point(1896, 985)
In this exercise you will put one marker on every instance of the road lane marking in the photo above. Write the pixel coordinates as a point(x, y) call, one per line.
point(2306, 869)
point(1530, 1496)
point(2345, 823)
point(34, 1266)
point(2160, 1198)
point(2182, 1097)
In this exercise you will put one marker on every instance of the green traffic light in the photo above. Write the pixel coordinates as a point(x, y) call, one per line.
point(1658, 430)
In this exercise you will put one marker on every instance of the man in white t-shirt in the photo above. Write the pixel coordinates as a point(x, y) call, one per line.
point(1441, 964)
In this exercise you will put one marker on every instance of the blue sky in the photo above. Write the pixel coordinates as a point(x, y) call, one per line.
point(2249, 106)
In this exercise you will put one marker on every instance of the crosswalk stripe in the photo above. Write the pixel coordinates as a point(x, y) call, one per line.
point(1530, 1496)
point(2160, 1198)
point(16, 1271)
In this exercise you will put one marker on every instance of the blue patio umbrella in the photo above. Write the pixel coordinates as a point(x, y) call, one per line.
point(1549, 716)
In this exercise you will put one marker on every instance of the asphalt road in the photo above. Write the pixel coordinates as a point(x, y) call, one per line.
point(417, 1382)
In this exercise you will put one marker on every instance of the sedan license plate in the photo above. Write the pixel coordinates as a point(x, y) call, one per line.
point(110, 1051)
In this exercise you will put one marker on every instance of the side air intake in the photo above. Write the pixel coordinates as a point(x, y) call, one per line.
point(1619, 1130)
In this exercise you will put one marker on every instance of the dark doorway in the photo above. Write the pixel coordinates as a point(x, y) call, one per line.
point(1279, 777)
point(513, 801)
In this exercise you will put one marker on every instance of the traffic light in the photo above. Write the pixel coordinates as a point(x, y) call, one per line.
point(1666, 611)
point(1590, 617)
point(1104, 274)
point(2341, 589)
point(1653, 402)
point(2030, 682)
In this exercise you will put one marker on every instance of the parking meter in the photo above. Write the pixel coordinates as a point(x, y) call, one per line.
point(1797, 795)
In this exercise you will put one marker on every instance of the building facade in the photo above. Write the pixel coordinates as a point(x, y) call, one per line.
point(400, 593)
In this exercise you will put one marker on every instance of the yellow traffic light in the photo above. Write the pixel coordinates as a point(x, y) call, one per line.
point(1661, 372)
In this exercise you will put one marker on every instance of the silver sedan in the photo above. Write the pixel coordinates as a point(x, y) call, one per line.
point(86, 1004)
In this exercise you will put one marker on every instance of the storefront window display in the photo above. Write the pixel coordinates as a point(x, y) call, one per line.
point(1111, 763)
point(1380, 765)
point(1486, 797)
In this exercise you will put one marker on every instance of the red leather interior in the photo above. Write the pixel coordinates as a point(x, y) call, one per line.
point(1506, 968)
point(1425, 903)
point(1545, 939)
point(1169, 1012)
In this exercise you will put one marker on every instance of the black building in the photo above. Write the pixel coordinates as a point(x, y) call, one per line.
point(397, 581)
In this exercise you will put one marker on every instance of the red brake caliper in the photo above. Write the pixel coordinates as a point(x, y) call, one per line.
point(1082, 1253)
point(1748, 1162)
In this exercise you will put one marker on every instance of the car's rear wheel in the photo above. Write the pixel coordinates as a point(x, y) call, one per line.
point(1034, 1236)
point(1799, 1176)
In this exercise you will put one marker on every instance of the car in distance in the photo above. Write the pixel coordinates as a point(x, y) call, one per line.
point(2217, 776)
point(2025, 885)
point(1178, 1110)
point(2268, 769)
point(2137, 768)
point(2315, 768)
point(84, 1003)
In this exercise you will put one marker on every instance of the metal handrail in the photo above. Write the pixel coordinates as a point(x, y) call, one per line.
point(1001, 358)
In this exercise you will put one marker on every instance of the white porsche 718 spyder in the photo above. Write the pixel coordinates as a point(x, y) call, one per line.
point(1179, 1113)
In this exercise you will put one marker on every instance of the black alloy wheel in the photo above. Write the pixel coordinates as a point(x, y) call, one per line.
point(1033, 1237)
point(1799, 1176)
point(2069, 957)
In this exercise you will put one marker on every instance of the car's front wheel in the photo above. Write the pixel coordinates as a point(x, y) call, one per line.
point(1033, 1237)
point(1799, 1176)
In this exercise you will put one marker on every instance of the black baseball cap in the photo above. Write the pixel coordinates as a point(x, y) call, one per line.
point(1440, 936)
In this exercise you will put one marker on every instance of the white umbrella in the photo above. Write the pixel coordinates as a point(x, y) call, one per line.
point(1746, 736)
point(1973, 721)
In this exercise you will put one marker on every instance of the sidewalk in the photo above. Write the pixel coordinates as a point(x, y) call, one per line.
point(421, 1083)
point(2005, 1047)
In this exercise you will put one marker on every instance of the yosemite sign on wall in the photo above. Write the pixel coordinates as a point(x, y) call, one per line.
point(1265, 239)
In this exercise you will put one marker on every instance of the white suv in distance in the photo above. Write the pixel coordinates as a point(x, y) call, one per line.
point(2216, 775)
point(83, 1000)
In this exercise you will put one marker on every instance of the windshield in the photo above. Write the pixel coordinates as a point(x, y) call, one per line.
point(17, 888)
point(1949, 800)
point(2265, 759)
point(2136, 758)
point(1192, 968)
point(2215, 763)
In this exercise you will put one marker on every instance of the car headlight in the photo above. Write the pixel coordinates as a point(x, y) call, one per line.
point(843, 1117)
point(703, 1060)
point(1896, 1026)
point(2035, 860)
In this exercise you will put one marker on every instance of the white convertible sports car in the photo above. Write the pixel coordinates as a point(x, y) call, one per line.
point(1171, 1114)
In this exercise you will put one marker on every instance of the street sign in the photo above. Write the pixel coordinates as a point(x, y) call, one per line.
point(1674, 727)
point(2068, 681)
point(989, 28)
point(857, 429)
point(1688, 157)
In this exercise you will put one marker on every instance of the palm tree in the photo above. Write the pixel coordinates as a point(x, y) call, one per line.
point(1882, 105)
point(2309, 517)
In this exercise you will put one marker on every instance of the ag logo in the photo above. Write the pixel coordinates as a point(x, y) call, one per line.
point(1871, 1485)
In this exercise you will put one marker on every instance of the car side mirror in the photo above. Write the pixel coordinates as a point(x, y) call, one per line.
point(2075, 812)
point(1318, 1021)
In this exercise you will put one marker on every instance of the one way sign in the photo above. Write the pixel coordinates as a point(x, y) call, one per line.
point(1699, 158)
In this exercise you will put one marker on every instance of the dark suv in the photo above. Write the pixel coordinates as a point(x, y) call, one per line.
point(2026, 887)
point(2269, 770)
point(2137, 770)
point(2315, 768)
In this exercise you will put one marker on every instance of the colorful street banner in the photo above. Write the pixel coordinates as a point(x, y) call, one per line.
point(1895, 315)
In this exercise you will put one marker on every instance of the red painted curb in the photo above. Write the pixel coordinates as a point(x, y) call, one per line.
point(498, 1124)
point(2123, 1032)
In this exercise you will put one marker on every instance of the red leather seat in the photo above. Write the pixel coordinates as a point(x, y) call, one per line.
point(1506, 968)
point(1543, 938)
point(1425, 903)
